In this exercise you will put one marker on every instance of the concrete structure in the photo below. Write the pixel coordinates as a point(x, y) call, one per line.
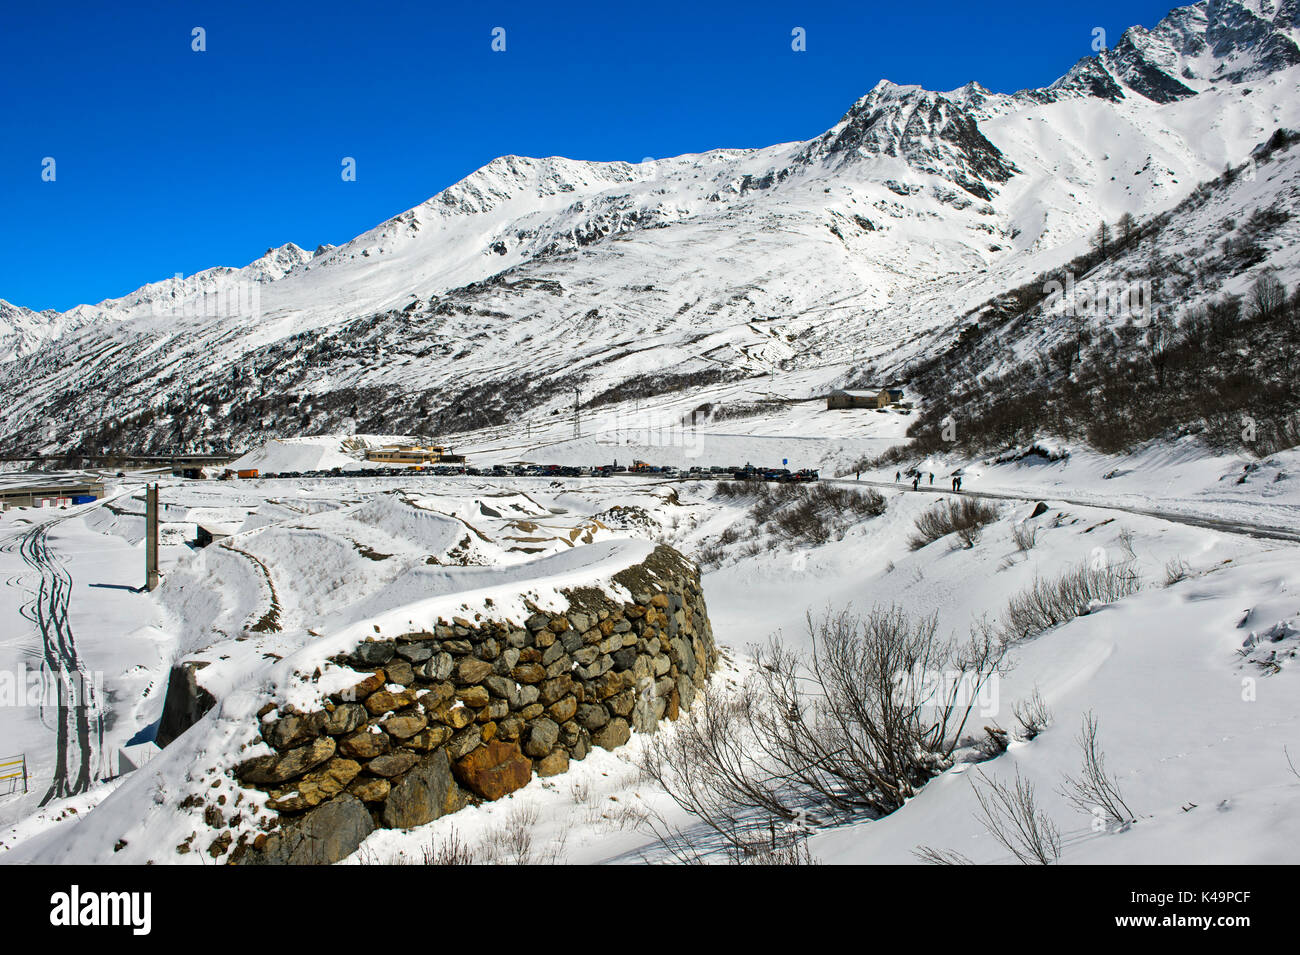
point(151, 538)
point(210, 533)
point(49, 490)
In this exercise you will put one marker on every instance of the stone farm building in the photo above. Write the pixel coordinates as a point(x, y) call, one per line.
point(868, 398)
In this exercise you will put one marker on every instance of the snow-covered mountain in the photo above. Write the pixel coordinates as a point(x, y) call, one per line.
point(532, 277)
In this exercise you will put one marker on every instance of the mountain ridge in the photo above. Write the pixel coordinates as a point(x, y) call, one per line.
point(732, 262)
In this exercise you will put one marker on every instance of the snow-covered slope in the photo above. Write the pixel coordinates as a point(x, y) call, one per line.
point(532, 277)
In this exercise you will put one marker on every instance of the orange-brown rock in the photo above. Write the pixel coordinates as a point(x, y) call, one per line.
point(494, 770)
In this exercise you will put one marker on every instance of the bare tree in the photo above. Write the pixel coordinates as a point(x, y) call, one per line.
point(1156, 346)
point(1267, 297)
point(1101, 239)
point(1010, 814)
point(1127, 226)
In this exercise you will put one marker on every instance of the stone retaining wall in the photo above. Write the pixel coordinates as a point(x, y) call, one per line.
point(472, 710)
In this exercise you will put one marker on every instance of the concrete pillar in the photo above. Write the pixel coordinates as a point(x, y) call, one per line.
point(151, 537)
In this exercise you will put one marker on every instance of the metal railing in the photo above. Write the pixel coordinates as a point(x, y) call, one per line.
point(13, 769)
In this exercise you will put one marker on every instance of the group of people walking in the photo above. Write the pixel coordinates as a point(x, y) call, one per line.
point(916, 480)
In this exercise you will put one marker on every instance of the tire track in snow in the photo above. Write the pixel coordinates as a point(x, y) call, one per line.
point(79, 725)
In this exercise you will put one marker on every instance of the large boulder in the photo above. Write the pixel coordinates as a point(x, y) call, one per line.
point(613, 734)
point(328, 833)
point(423, 794)
point(542, 737)
point(273, 770)
point(494, 770)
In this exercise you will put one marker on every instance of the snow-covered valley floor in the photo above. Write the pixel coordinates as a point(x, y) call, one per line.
point(1191, 680)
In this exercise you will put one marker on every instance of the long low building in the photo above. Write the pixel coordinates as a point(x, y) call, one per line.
point(414, 454)
point(48, 490)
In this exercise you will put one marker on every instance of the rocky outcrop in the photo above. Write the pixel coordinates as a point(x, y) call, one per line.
point(470, 711)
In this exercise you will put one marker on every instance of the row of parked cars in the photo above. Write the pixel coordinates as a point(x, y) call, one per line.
point(747, 473)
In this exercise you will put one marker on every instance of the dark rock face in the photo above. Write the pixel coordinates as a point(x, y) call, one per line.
point(1156, 63)
point(424, 794)
point(323, 836)
point(930, 131)
point(407, 745)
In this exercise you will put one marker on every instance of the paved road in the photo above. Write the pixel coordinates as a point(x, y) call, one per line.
point(1264, 531)
point(79, 721)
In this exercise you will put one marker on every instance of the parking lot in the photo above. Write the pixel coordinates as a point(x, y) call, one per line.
point(746, 472)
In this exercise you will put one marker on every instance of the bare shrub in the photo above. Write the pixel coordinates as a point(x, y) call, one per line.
point(1176, 570)
point(1010, 814)
point(1126, 541)
point(964, 517)
point(1047, 603)
point(449, 851)
point(854, 727)
point(932, 856)
point(1032, 714)
point(1025, 536)
point(1094, 792)
point(511, 843)
point(807, 514)
point(710, 554)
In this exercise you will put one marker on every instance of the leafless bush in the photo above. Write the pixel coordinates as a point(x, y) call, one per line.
point(1010, 814)
point(710, 555)
point(779, 846)
point(1025, 536)
point(1047, 603)
point(1176, 570)
point(802, 513)
point(932, 856)
point(512, 842)
point(450, 851)
point(1093, 792)
point(1126, 541)
point(853, 728)
point(1032, 714)
point(964, 517)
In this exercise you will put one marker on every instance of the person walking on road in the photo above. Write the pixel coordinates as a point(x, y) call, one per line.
point(931, 479)
point(916, 482)
point(898, 477)
point(956, 482)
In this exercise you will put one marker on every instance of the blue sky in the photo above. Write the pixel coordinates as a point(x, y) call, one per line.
point(170, 160)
